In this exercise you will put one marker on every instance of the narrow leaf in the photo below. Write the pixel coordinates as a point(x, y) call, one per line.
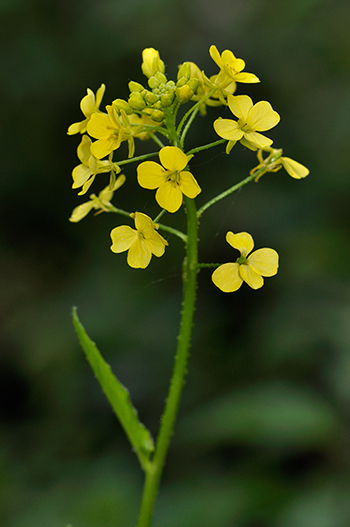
point(117, 395)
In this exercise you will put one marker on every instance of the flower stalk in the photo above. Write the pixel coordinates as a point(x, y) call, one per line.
point(156, 465)
point(148, 113)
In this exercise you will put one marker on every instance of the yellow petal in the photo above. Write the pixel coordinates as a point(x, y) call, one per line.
point(151, 174)
point(122, 237)
point(262, 117)
point(264, 261)
point(253, 279)
point(80, 175)
point(99, 94)
point(103, 147)
point(232, 63)
point(169, 197)
point(87, 104)
point(76, 128)
point(156, 244)
point(83, 150)
point(173, 158)
point(227, 278)
point(189, 185)
point(241, 241)
point(240, 105)
point(246, 77)
point(99, 126)
point(144, 224)
point(228, 129)
point(139, 254)
point(81, 211)
point(86, 186)
point(254, 140)
point(215, 55)
point(294, 169)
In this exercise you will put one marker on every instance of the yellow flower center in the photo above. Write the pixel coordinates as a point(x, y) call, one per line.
point(241, 260)
point(174, 178)
point(244, 126)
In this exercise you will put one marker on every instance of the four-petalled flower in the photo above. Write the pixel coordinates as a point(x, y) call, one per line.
point(250, 269)
point(110, 130)
point(231, 68)
point(171, 180)
point(140, 243)
point(252, 119)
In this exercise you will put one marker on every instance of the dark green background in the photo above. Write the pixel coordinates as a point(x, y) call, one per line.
point(262, 439)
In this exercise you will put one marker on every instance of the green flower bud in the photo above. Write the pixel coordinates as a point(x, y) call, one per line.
point(184, 94)
point(153, 82)
point(161, 77)
point(181, 82)
point(150, 97)
point(167, 98)
point(120, 104)
point(184, 71)
point(193, 84)
point(158, 116)
point(136, 101)
point(135, 86)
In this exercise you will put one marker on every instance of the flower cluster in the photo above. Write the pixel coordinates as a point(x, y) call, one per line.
point(150, 112)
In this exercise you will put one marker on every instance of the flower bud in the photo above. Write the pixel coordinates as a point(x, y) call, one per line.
point(167, 98)
point(184, 94)
point(120, 104)
point(184, 71)
point(136, 101)
point(193, 84)
point(151, 62)
point(135, 86)
point(158, 116)
point(150, 98)
point(160, 77)
point(181, 82)
point(153, 82)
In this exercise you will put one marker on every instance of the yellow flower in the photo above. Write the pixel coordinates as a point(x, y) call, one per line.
point(140, 243)
point(231, 68)
point(89, 105)
point(250, 269)
point(151, 62)
point(251, 120)
point(172, 181)
point(85, 173)
point(274, 161)
point(110, 130)
point(102, 202)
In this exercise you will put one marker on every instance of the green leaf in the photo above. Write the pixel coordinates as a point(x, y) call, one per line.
point(117, 395)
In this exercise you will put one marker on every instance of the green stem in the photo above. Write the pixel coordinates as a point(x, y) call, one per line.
point(229, 191)
point(205, 147)
point(187, 127)
point(138, 158)
point(194, 107)
point(190, 269)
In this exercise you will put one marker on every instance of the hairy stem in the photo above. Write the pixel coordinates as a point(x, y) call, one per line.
point(156, 466)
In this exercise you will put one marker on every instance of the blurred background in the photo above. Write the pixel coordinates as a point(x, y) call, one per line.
point(263, 434)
